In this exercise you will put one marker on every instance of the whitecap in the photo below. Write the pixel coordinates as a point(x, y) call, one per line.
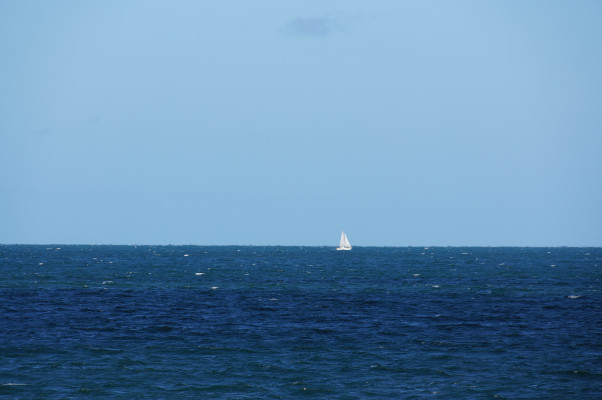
point(214, 287)
point(185, 255)
point(199, 273)
point(573, 296)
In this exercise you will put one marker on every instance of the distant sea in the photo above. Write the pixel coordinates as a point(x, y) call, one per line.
point(192, 322)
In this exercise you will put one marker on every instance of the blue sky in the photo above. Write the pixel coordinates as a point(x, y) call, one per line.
point(404, 123)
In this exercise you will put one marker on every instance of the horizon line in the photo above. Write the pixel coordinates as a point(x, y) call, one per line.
point(297, 245)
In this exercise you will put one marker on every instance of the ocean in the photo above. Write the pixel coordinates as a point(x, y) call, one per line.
point(251, 322)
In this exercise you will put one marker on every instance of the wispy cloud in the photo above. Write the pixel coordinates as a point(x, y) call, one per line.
point(41, 132)
point(314, 26)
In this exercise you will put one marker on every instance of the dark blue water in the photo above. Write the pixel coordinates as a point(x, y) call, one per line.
point(293, 322)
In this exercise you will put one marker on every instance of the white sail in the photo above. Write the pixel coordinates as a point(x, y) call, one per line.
point(344, 242)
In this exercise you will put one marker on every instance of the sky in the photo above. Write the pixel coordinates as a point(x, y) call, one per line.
point(404, 123)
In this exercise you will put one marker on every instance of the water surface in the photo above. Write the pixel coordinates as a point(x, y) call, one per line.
point(291, 322)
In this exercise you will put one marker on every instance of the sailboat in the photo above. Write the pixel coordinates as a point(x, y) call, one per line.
point(344, 243)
